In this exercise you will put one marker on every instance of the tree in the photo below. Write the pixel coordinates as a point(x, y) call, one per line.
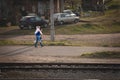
point(72, 4)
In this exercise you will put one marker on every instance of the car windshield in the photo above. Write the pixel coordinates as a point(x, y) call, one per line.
point(23, 18)
point(31, 18)
point(63, 15)
point(69, 12)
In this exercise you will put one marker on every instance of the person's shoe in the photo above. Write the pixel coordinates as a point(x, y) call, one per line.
point(41, 44)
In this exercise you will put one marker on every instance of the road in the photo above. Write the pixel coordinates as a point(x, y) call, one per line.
point(53, 54)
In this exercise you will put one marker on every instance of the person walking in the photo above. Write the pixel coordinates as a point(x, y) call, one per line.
point(38, 34)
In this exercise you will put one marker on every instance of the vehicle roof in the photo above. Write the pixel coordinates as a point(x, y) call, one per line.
point(29, 16)
point(26, 17)
point(59, 13)
point(67, 10)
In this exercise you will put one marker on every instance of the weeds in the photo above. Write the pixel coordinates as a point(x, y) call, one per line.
point(108, 54)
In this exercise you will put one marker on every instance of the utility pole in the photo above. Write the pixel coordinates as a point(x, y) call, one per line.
point(52, 30)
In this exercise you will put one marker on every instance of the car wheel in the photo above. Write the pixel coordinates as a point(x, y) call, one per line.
point(61, 22)
point(56, 23)
point(29, 27)
point(76, 21)
point(21, 26)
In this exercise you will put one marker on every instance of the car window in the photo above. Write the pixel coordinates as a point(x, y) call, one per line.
point(37, 18)
point(23, 19)
point(67, 15)
point(32, 19)
point(68, 12)
point(62, 15)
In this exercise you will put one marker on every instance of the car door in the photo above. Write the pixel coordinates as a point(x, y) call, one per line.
point(32, 21)
point(63, 18)
point(71, 18)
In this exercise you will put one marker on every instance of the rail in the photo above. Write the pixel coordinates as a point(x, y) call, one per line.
point(71, 67)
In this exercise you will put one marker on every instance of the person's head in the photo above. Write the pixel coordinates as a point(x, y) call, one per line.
point(37, 27)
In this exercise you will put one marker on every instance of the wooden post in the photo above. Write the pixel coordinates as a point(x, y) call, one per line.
point(52, 30)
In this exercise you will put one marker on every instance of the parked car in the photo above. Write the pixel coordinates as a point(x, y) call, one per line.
point(31, 22)
point(69, 12)
point(61, 18)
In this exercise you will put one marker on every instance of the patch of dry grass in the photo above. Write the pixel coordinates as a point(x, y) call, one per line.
point(107, 54)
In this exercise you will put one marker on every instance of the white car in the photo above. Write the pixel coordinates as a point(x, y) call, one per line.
point(61, 18)
point(69, 12)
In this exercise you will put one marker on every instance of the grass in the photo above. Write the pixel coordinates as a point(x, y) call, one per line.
point(73, 29)
point(13, 42)
point(107, 54)
point(87, 28)
point(46, 43)
point(59, 43)
point(114, 4)
point(14, 30)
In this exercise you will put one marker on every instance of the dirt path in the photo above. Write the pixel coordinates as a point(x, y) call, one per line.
point(82, 39)
point(114, 37)
point(53, 54)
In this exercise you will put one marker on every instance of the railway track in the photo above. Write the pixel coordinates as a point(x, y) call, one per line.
point(59, 71)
